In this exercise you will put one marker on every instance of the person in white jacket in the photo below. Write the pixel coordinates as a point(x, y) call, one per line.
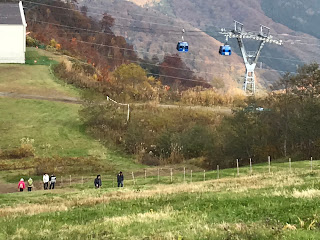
point(45, 181)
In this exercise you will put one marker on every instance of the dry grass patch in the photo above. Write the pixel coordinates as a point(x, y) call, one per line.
point(309, 193)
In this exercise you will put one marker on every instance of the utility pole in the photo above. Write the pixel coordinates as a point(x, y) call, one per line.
point(250, 58)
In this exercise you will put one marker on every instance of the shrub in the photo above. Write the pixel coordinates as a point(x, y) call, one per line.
point(26, 149)
point(31, 42)
point(69, 165)
point(196, 142)
point(148, 159)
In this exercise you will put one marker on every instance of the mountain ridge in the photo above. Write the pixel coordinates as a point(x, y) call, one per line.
point(208, 17)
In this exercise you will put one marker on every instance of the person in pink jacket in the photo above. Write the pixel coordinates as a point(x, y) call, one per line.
point(21, 185)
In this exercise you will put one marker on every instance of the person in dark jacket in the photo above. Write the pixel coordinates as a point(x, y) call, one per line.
point(120, 179)
point(53, 181)
point(97, 182)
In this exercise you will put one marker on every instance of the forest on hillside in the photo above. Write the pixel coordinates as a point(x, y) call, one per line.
point(302, 15)
point(283, 124)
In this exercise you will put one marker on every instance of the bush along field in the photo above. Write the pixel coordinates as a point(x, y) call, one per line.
point(282, 204)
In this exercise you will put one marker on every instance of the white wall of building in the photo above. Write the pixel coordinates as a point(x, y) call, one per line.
point(13, 40)
point(12, 43)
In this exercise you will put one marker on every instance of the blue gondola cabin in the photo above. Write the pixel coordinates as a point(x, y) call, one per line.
point(183, 47)
point(225, 50)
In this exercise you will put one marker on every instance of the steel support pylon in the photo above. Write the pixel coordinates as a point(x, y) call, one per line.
point(250, 59)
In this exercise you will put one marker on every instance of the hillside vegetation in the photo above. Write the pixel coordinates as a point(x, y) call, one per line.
point(301, 15)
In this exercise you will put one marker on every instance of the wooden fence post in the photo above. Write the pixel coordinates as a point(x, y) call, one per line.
point(204, 175)
point(134, 182)
point(218, 172)
point(290, 164)
point(269, 163)
point(250, 165)
point(237, 167)
point(171, 174)
point(145, 174)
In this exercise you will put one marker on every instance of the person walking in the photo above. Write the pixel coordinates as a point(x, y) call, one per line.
point(21, 185)
point(120, 179)
point(53, 180)
point(45, 181)
point(97, 182)
point(30, 184)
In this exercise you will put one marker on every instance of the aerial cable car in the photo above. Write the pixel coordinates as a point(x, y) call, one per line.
point(183, 46)
point(225, 50)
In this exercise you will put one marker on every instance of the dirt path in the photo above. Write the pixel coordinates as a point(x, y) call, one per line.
point(72, 100)
point(37, 97)
point(8, 187)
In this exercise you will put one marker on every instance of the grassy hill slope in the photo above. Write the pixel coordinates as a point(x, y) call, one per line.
point(35, 77)
point(280, 205)
point(49, 123)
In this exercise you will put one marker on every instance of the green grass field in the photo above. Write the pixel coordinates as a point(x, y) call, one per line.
point(35, 79)
point(280, 205)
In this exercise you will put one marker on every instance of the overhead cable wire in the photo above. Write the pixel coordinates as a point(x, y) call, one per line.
point(178, 19)
point(130, 19)
point(164, 54)
point(141, 51)
point(104, 45)
point(157, 31)
point(113, 34)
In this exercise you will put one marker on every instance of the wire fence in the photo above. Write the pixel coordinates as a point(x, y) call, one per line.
point(167, 175)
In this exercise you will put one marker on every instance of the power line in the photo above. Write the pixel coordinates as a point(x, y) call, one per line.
point(102, 14)
point(176, 19)
point(75, 10)
point(129, 27)
point(121, 48)
point(113, 35)
point(168, 17)
point(141, 51)
point(200, 31)
point(104, 45)
point(145, 52)
point(197, 31)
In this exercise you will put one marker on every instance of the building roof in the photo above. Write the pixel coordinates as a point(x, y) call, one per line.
point(10, 14)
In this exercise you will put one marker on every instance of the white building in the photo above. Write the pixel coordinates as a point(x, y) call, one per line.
point(12, 33)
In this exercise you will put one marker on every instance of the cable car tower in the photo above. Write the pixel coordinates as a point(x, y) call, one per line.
point(250, 58)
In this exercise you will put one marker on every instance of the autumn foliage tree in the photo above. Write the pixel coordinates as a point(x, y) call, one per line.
point(82, 36)
point(130, 81)
point(175, 73)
